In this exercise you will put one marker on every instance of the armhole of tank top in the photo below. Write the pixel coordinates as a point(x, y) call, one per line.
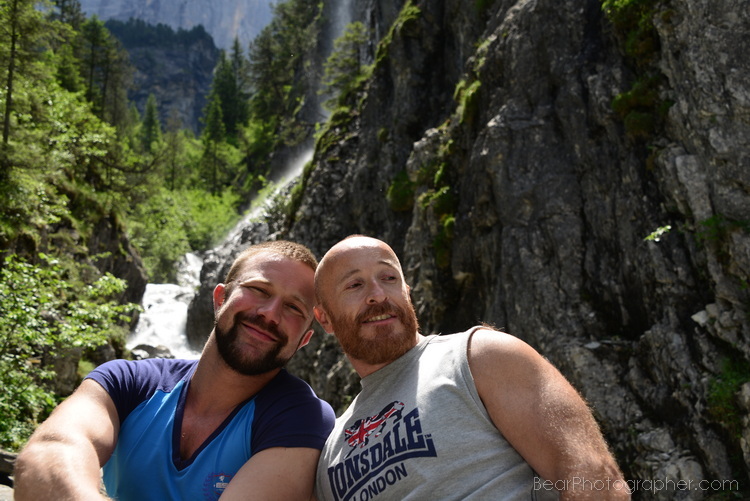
point(468, 376)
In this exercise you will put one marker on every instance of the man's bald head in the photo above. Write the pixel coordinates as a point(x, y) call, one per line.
point(353, 243)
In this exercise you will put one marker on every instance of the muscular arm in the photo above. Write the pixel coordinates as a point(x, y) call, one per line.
point(543, 417)
point(278, 473)
point(63, 457)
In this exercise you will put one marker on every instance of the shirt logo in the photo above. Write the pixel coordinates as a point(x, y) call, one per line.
point(379, 446)
point(214, 484)
point(359, 433)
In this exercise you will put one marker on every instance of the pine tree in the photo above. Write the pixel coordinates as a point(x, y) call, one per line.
point(150, 126)
point(343, 68)
point(227, 86)
point(21, 29)
point(106, 70)
point(213, 135)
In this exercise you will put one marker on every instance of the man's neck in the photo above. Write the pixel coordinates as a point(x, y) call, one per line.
point(364, 369)
point(216, 387)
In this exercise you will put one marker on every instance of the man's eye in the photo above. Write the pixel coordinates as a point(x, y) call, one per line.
point(353, 285)
point(256, 289)
point(296, 309)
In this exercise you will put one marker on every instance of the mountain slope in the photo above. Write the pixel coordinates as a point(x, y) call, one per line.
point(223, 19)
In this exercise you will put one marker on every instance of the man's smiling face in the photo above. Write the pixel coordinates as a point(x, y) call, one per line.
point(365, 302)
point(264, 315)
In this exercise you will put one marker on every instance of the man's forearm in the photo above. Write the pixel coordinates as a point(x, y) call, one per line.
point(55, 471)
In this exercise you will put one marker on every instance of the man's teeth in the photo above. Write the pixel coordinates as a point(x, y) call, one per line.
point(379, 318)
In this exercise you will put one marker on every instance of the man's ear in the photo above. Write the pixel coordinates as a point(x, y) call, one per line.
point(219, 296)
point(322, 317)
point(306, 338)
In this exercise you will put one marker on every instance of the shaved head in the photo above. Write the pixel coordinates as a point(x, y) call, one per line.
point(364, 301)
point(352, 243)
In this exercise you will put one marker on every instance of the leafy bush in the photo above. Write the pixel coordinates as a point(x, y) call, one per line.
point(172, 223)
point(42, 316)
point(400, 193)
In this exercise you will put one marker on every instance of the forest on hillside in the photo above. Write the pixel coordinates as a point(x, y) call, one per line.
point(75, 152)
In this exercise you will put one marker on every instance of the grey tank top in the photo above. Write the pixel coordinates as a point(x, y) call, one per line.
point(419, 431)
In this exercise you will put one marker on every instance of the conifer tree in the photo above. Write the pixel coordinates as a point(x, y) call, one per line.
point(150, 126)
point(21, 29)
point(227, 87)
point(343, 67)
point(105, 68)
point(213, 135)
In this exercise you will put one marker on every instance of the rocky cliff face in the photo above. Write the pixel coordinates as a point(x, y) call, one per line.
point(177, 70)
point(224, 20)
point(613, 239)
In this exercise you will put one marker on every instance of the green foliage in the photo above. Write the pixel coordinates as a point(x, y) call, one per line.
point(468, 100)
point(137, 33)
point(400, 193)
point(718, 227)
point(641, 108)
point(723, 405)
point(633, 22)
point(171, 223)
point(105, 69)
point(659, 233)
point(43, 314)
point(409, 14)
point(483, 5)
point(227, 87)
point(151, 126)
point(343, 70)
point(278, 76)
point(443, 240)
point(715, 233)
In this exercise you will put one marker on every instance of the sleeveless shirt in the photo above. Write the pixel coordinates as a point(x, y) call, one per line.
point(418, 430)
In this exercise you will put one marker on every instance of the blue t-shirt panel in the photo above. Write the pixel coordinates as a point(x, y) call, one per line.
point(149, 396)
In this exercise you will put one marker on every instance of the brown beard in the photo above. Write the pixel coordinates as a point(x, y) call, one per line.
point(233, 356)
point(388, 344)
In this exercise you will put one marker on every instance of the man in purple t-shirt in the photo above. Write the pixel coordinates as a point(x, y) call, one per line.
point(150, 422)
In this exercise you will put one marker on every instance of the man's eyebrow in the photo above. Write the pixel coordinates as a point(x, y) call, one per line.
point(385, 262)
point(296, 297)
point(346, 276)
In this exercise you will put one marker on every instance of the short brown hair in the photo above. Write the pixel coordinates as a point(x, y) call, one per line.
point(291, 250)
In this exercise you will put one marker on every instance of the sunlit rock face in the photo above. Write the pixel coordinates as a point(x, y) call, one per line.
point(223, 19)
point(620, 249)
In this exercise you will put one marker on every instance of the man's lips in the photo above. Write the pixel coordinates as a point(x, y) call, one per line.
point(259, 332)
point(378, 318)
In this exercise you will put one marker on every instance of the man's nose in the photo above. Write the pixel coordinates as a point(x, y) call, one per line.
point(376, 294)
point(271, 310)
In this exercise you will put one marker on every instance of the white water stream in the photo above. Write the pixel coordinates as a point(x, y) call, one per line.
point(165, 306)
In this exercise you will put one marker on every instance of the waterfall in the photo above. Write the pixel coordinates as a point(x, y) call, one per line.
point(164, 318)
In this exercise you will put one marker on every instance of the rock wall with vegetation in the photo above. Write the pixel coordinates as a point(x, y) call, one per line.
point(575, 173)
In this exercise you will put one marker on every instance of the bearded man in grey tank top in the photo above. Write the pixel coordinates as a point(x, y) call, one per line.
point(478, 415)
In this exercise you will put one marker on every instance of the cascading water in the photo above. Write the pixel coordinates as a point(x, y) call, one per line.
point(162, 322)
point(165, 306)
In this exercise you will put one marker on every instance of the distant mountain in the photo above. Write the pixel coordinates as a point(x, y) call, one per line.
point(176, 66)
point(223, 19)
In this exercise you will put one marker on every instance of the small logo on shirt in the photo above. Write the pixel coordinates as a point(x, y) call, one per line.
point(359, 433)
point(379, 446)
point(214, 485)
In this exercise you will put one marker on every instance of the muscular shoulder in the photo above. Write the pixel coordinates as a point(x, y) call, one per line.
point(288, 393)
point(130, 382)
point(289, 414)
point(500, 360)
